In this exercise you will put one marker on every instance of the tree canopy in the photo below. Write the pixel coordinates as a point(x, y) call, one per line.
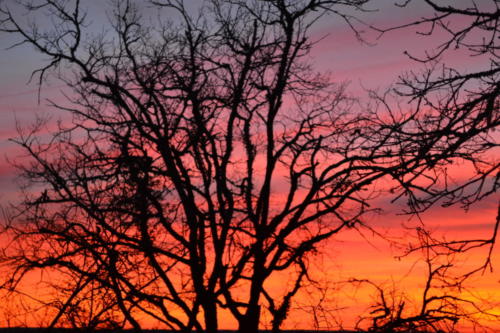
point(206, 155)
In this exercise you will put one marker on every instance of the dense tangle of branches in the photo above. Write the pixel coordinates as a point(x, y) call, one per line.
point(205, 155)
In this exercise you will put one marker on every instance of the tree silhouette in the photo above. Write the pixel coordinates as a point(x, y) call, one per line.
point(444, 303)
point(461, 98)
point(205, 155)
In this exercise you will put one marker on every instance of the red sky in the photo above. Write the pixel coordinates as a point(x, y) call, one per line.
point(348, 255)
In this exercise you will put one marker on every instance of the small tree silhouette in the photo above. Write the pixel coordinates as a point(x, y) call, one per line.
point(443, 304)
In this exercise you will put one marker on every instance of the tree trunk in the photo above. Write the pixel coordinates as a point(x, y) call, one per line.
point(251, 319)
point(210, 315)
point(250, 322)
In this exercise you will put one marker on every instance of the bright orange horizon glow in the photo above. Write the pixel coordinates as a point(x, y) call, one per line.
point(350, 255)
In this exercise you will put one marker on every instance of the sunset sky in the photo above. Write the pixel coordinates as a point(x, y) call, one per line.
point(374, 64)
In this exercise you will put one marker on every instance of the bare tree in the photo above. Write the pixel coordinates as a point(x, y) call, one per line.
point(462, 98)
point(445, 302)
point(206, 155)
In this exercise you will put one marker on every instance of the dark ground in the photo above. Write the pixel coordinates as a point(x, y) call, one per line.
point(63, 330)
